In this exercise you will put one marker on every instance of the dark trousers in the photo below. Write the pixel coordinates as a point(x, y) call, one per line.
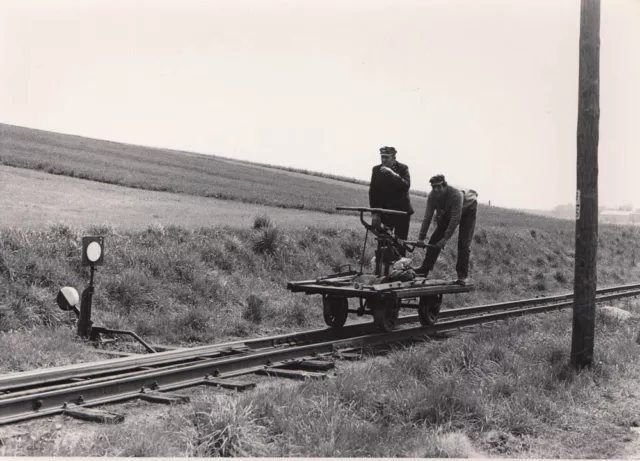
point(465, 235)
point(399, 225)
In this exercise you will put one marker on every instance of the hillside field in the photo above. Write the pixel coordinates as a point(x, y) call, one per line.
point(174, 171)
point(33, 199)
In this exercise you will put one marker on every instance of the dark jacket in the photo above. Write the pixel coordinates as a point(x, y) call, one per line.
point(454, 201)
point(389, 191)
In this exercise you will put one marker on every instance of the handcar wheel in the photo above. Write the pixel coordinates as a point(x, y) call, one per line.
point(385, 314)
point(335, 310)
point(428, 309)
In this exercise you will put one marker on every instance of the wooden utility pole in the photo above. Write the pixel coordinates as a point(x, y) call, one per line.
point(584, 307)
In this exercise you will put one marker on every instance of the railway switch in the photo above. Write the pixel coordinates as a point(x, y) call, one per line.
point(68, 298)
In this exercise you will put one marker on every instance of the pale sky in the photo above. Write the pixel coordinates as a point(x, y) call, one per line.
point(483, 91)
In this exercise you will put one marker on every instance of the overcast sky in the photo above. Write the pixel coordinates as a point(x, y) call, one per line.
point(483, 91)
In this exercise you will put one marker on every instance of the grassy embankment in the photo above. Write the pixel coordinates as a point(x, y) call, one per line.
point(178, 285)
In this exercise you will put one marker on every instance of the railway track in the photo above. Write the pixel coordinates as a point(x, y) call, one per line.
point(78, 390)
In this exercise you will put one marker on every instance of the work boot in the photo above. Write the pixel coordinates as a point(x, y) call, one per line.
point(464, 281)
point(421, 271)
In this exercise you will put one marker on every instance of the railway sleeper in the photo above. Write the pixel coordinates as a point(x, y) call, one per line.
point(164, 397)
point(309, 365)
point(229, 383)
point(92, 414)
point(349, 354)
point(291, 374)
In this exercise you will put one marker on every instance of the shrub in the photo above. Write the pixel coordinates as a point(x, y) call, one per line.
point(560, 277)
point(133, 289)
point(540, 285)
point(261, 221)
point(229, 429)
point(481, 237)
point(351, 248)
point(267, 240)
point(253, 309)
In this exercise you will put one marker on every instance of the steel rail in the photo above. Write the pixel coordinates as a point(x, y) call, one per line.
point(522, 303)
point(34, 378)
point(94, 392)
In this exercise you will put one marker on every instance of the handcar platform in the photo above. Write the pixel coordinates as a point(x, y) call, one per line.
point(378, 294)
point(346, 286)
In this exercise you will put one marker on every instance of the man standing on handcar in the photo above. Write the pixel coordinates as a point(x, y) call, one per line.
point(453, 207)
point(389, 189)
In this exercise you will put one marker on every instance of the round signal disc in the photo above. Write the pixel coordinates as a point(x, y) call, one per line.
point(94, 250)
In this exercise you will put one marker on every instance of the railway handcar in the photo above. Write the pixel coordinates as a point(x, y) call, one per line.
point(385, 292)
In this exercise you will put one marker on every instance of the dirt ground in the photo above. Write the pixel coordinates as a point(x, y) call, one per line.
point(33, 199)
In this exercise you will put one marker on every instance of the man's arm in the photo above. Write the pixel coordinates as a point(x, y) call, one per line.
point(456, 214)
point(426, 221)
point(374, 193)
point(403, 179)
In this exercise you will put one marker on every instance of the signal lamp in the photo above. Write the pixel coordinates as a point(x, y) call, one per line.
point(67, 298)
point(92, 251)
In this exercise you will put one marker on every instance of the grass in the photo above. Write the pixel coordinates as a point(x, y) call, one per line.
point(42, 348)
point(503, 392)
point(169, 284)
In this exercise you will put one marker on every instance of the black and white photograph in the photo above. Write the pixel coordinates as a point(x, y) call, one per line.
point(320, 229)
